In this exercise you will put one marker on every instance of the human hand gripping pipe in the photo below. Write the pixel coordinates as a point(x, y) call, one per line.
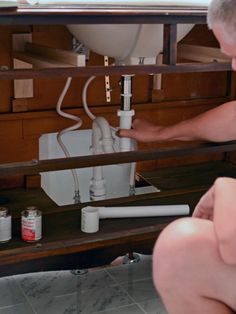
point(90, 215)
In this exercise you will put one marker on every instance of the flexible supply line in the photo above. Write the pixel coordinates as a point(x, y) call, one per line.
point(85, 103)
point(68, 129)
point(84, 98)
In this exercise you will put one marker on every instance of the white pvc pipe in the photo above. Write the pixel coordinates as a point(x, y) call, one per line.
point(125, 123)
point(143, 211)
point(90, 215)
point(102, 141)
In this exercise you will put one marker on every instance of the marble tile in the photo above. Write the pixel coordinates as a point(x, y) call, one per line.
point(130, 272)
point(64, 293)
point(131, 309)
point(44, 284)
point(114, 290)
point(103, 299)
point(154, 306)
point(22, 308)
point(140, 290)
point(87, 302)
point(95, 279)
point(66, 304)
point(10, 293)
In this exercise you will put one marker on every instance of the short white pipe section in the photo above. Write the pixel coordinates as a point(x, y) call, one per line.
point(125, 123)
point(89, 219)
point(90, 215)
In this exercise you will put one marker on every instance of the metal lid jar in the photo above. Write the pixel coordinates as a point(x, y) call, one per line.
point(31, 224)
point(5, 225)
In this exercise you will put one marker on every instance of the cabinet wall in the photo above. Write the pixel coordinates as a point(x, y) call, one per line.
point(22, 121)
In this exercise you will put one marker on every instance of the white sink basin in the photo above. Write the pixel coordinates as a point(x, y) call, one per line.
point(126, 43)
point(129, 44)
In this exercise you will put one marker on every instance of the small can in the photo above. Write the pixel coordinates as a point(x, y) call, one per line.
point(31, 224)
point(5, 225)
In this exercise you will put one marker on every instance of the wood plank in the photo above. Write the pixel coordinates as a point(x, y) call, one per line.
point(10, 130)
point(37, 166)
point(170, 44)
point(39, 61)
point(6, 62)
point(100, 70)
point(22, 88)
point(201, 54)
point(108, 15)
point(188, 176)
point(173, 181)
point(60, 55)
point(62, 235)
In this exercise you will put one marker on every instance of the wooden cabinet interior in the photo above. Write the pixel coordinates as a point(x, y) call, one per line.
point(188, 88)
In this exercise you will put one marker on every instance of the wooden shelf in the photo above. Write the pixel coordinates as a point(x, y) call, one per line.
point(94, 14)
point(64, 245)
point(103, 14)
point(37, 166)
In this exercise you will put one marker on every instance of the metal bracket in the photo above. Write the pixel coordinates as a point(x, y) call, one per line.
point(107, 81)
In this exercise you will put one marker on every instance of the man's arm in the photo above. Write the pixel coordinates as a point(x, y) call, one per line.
point(216, 125)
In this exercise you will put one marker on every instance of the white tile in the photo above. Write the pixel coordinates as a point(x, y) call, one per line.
point(45, 284)
point(106, 298)
point(130, 272)
point(66, 304)
point(22, 308)
point(140, 290)
point(86, 302)
point(112, 290)
point(154, 306)
point(62, 292)
point(10, 293)
point(131, 309)
point(95, 279)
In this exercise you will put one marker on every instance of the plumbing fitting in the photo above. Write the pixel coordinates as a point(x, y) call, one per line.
point(90, 215)
point(102, 141)
point(126, 92)
point(125, 123)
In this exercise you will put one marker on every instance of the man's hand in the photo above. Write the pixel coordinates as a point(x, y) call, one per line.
point(205, 206)
point(142, 131)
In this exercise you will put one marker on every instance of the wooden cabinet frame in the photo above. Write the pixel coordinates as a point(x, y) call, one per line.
point(116, 238)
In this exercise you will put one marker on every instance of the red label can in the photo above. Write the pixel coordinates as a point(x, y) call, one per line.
point(31, 224)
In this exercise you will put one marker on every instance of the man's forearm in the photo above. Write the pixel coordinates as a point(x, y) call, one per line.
point(217, 125)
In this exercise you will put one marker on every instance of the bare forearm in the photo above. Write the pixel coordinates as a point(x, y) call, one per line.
point(218, 124)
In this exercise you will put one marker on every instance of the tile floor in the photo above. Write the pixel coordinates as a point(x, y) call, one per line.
point(122, 289)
